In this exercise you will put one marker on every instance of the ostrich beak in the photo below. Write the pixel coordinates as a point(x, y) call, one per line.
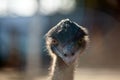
point(69, 58)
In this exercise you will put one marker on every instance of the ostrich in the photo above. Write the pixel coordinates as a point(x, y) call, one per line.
point(65, 42)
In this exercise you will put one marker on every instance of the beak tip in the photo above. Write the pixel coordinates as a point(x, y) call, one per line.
point(69, 62)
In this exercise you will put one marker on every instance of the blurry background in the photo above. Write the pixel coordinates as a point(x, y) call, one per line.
point(23, 24)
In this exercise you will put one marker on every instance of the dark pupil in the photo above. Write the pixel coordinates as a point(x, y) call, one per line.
point(54, 41)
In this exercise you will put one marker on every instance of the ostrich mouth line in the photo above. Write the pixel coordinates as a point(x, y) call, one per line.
point(67, 61)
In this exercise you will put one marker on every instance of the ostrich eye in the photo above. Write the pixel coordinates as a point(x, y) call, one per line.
point(54, 41)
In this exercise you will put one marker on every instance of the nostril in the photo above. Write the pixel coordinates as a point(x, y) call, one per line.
point(65, 55)
point(72, 54)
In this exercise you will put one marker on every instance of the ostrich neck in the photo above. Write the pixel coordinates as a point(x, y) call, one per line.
point(63, 71)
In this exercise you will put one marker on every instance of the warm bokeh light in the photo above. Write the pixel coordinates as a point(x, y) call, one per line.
point(49, 6)
point(3, 7)
point(52, 6)
point(18, 7)
point(29, 7)
point(23, 7)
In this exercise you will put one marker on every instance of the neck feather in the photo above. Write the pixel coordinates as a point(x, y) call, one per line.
point(62, 71)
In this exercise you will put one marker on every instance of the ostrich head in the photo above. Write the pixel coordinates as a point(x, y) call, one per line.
point(66, 40)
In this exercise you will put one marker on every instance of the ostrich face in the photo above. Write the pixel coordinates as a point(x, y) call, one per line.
point(66, 40)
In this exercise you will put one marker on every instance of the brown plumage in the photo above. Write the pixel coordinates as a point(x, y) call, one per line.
point(65, 42)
